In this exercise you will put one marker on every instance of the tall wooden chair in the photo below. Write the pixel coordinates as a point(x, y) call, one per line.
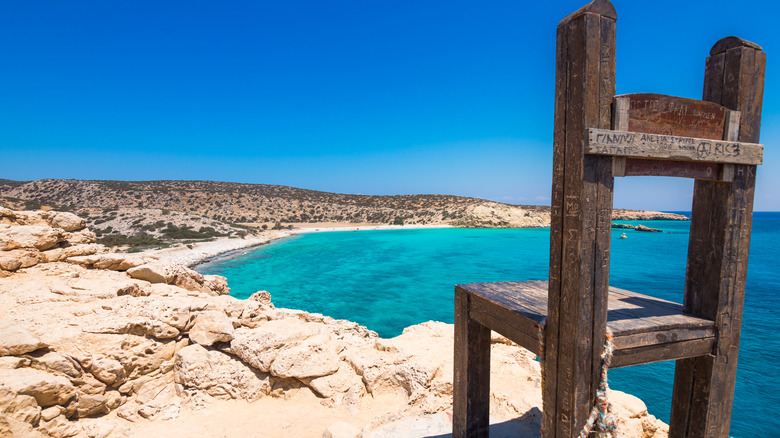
point(597, 137)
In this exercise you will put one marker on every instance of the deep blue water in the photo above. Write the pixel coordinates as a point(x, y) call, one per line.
point(388, 280)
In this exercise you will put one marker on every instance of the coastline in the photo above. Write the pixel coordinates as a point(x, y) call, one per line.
point(199, 253)
point(96, 343)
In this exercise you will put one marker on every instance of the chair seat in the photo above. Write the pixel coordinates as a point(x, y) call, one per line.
point(645, 329)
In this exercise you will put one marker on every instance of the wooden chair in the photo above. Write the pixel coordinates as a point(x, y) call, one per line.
point(597, 137)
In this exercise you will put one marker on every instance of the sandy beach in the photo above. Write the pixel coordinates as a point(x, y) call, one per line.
point(196, 253)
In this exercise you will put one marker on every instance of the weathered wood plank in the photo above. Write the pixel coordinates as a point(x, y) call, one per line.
point(718, 250)
point(471, 380)
point(630, 313)
point(568, 317)
point(674, 116)
point(679, 169)
point(662, 352)
point(557, 199)
point(662, 336)
point(620, 107)
point(504, 328)
point(665, 147)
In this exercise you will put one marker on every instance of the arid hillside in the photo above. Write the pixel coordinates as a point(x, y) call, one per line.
point(146, 212)
point(254, 203)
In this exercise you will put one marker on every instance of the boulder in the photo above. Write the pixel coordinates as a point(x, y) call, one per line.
point(10, 362)
point(91, 404)
point(59, 427)
point(108, 370)
point(259, 347)
point(217, 284)
point(210, 327)
point(8, 262)
point(40, 237)
point(47, 389)
point(20, 407)
point(79, 237)
point(158, 399)
point(219, 374)
point(182, 276)
point(312, 357)
point(53, 255)
point(16, 340)
point(21, 258)
point(153, 272)
point(82, 250)
point(57, 363)
point(111, 261)
point(51, 412)
point(177, 310)
point(261, 296)
point(341, 381)
point(66, 221)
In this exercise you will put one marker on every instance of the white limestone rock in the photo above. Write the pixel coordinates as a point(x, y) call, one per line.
point(60, 427)
point(47, 389)
point(312, 357)
point(21, 258)
point(20, 407)
point(16, 340)
point(59, 364)
point(216, 284)
point(79, 237)
point(66, 221)
point(219, 374)
point(111, 261)
point(40, 237)
point(108, 370)
point(259, 347)
point(343, 380)
point(210, 327)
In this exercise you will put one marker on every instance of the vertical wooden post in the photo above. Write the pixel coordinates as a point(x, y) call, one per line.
point(718, 250)
point(471, 382)
point(581, 218)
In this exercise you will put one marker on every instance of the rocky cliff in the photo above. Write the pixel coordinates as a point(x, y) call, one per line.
point(99, 344)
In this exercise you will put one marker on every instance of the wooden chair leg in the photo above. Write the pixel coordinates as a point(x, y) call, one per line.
point(471, 385)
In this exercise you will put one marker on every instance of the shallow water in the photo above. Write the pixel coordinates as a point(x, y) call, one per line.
point(388, 280)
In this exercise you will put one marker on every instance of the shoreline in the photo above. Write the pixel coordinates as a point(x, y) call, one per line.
point(196, 254)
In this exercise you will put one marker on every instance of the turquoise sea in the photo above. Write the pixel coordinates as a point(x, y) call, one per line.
point(388, 280)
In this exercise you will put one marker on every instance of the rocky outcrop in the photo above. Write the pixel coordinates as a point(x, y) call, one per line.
point(645, 215)
point(31, 237)
point(86, 350)
point(639, 227)
point(15, 340)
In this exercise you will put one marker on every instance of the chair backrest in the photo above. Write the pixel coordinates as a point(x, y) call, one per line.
point(598, 136)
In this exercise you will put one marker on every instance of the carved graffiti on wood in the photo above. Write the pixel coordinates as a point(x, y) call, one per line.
point(670, 147)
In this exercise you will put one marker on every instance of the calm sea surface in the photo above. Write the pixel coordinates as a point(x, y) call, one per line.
point(388, 280)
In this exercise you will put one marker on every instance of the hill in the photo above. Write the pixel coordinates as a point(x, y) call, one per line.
point(147, 212)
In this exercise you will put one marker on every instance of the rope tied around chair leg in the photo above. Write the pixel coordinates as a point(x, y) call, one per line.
point(601, 418)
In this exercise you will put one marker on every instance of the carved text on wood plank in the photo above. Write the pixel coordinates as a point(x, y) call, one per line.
point(669, 147)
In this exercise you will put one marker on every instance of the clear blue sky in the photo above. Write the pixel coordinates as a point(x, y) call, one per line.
point(390, 97)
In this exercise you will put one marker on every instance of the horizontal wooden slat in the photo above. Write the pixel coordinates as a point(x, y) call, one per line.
point(678, 169)
point(661, 352)
point(668, 147)
point(673, 115)
point(646, 329)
